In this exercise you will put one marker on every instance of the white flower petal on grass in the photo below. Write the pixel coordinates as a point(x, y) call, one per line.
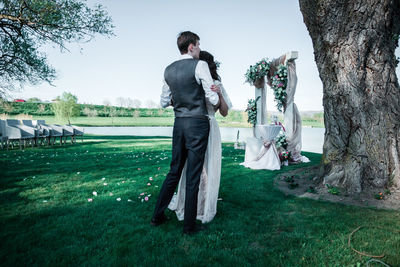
point(90, 200)
point(111, 194)
point(104, 183)
point(119, 199)
point(78, 173)
point(103, 178)
point(94, 193)
point(142, 199)
point(129, 200)
point(44, 201)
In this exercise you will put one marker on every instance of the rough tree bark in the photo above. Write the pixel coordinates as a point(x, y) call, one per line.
point(354, 43)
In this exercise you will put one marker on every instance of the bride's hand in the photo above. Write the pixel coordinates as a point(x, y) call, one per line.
point(215, 89)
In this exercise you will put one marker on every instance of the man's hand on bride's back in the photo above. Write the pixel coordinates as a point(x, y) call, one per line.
point(215, 89)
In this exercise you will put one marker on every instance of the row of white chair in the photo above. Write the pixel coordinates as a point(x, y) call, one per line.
point(36, 132)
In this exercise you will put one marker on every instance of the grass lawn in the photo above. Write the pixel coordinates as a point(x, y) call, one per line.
point(148, 121)
point(47, 220)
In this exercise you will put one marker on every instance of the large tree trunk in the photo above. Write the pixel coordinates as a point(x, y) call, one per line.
point(354, 49)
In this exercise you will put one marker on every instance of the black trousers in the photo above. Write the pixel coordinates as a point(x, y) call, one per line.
point(189, 142)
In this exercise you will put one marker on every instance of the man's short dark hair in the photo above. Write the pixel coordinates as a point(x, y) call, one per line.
point(185, 39)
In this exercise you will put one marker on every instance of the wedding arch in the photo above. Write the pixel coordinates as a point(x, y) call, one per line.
point(262, 148)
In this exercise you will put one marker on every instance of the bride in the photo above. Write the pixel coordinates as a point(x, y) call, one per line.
point(211, 174)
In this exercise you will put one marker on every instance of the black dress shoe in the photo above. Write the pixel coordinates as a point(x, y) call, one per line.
point(158, 222)
point(196, 229)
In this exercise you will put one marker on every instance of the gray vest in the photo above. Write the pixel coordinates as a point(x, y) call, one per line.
point(188, 96)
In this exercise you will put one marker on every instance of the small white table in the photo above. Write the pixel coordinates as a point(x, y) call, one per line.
point(261, 152)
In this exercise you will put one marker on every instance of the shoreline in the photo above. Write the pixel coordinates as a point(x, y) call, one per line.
point(154, 121)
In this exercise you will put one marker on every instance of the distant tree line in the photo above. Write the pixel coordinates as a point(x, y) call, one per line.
point(87, 110)
point(45, 109)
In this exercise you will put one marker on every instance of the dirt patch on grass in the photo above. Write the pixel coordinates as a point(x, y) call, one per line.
point(305, 183)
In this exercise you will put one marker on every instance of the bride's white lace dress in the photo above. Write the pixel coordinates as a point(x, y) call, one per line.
point(211, 174)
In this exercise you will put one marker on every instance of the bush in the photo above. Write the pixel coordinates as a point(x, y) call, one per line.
point(136, 113)
point(24, 117)
point(89, 112)
point(233, 116)
point(15, 108)
point(66, 107)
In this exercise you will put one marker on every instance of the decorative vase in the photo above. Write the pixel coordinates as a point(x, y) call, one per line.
point(285, 163)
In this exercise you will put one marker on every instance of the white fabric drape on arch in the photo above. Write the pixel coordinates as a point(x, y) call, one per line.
point(292, 118)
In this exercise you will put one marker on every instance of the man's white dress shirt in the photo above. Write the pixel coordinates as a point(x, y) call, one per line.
point(203, 77)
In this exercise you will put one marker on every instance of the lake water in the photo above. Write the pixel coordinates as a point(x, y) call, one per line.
point(312, 138)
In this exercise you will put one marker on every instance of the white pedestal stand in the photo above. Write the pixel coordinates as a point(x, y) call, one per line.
point(260, 149)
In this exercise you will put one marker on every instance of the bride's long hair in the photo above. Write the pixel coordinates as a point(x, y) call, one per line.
point(207, 57)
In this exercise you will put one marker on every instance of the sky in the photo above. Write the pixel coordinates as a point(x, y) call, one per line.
point(131, 64)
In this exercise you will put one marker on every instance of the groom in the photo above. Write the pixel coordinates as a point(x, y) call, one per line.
point(187, 85)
